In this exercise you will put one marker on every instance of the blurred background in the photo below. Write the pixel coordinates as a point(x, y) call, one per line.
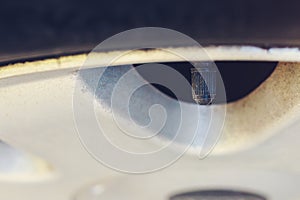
point(32, 28)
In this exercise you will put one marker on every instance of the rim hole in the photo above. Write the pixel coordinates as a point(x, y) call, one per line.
point(240, 78)
point(217, 195)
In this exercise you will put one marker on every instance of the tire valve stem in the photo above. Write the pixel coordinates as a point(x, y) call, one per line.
point(204, 84)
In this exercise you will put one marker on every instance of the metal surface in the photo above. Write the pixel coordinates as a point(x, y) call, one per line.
point(258, 151)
